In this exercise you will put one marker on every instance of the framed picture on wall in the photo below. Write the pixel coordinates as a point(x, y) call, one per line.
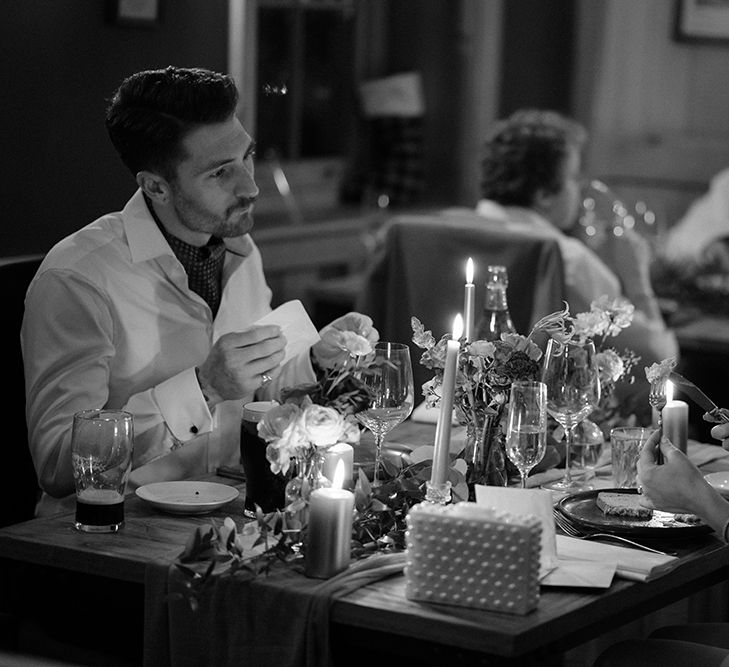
point(141, 13)
point(702, 20)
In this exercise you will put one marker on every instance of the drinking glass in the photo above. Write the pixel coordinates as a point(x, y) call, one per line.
point(526, 440)
point(101, 450)
point(390, 380)
point(573, 391)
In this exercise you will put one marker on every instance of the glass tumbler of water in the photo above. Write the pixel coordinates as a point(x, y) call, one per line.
point(101, 448)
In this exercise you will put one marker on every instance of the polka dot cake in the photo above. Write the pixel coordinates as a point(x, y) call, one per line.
point(473, 556)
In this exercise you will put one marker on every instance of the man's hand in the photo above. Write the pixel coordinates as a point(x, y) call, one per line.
point(331, 350)
point(238, 360)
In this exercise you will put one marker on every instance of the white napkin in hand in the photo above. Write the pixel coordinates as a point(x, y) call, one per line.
point(296, 327)
point(631, 563)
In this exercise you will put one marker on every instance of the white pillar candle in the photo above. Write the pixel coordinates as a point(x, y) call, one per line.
point(329, 534)
point(441, 453)
point(469, 301)
point(339, 452)
point(675, 423)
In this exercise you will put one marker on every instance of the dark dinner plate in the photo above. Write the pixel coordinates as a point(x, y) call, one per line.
point(582, 510)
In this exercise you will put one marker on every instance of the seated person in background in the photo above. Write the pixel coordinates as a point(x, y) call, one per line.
point(530, 181)
point(701, 237)
point(678, 486)
point(151, 309)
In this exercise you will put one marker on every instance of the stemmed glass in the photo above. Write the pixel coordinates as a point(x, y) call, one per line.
point(526, 440)
point(573, 391)
point(390, 380)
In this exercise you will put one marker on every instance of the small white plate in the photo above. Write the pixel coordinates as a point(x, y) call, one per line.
point(187, 497)
point(720, 481)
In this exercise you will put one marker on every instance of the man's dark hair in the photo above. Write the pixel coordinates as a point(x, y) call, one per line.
point(152, 111)
point(525, 153)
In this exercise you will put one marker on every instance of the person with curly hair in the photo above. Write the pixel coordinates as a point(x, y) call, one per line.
point(531, 181)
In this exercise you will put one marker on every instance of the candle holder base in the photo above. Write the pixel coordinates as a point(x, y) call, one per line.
point(438, 494)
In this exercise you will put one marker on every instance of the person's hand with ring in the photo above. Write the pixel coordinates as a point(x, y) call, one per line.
point(242, 362)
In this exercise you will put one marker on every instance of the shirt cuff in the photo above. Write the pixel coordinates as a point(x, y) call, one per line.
point(183, 407)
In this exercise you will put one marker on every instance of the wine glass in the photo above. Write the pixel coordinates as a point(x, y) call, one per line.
point(526, 440)
point(390, 381)
point(573, 391)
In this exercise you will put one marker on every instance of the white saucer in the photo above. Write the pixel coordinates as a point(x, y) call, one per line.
point(187, 497)
point(720, 481)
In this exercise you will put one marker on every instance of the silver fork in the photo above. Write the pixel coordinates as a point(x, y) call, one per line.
point(657, 399)
point(573, 531)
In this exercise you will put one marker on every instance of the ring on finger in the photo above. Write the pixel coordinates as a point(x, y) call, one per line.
point(265, 379)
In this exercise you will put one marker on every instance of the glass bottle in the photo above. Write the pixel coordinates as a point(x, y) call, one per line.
point(495, 318)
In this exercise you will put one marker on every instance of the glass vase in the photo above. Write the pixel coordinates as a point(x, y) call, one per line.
point(485, 454)
point(308, 477)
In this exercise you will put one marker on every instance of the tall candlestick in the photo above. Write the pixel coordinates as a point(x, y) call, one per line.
point(339, 452)
point(675, 423)
point(441, 455)
point(469, 301)
point(329, 534)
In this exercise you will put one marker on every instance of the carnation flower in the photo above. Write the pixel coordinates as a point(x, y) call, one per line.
point(659, 372)
point(610, 364)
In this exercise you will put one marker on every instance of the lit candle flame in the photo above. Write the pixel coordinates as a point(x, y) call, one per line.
point(338, 478)
point(457, 327)
point(469, 271)
point(669, 391)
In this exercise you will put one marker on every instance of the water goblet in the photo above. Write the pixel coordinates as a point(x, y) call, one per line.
point(390, 381)
point(573, 391)
point(526, 440)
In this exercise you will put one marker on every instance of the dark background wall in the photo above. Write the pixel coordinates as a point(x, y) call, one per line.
point(60, 61)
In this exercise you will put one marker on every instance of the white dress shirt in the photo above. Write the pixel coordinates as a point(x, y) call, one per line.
point(110, 322)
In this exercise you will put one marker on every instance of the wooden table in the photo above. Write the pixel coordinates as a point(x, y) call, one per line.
point(379, 615)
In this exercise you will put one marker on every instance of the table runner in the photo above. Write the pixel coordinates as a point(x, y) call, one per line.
point(279, 619)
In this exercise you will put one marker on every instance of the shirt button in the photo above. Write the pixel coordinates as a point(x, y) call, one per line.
point(193, 429)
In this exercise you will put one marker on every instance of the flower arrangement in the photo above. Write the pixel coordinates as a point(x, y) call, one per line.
point(485, 372)
point(313, 417)
point(605, 320)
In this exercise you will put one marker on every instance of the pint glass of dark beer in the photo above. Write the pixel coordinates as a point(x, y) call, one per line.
point(101, 446)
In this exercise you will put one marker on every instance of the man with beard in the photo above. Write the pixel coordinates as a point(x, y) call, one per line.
point(150, 309)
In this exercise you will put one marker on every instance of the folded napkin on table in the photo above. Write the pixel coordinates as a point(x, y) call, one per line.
point(277, 619)
point(631, 563)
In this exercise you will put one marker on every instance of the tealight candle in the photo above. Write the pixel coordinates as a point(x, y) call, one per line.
point(339, 452)
point(329, 534)
point(441, 455)
point(469, 301)
point(675, 420)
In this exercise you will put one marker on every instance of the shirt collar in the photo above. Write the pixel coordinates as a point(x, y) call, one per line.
point(146, 241)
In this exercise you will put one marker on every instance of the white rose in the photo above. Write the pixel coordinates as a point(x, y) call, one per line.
point(322, 426)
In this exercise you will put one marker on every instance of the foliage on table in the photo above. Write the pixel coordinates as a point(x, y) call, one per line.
point(378, 526)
